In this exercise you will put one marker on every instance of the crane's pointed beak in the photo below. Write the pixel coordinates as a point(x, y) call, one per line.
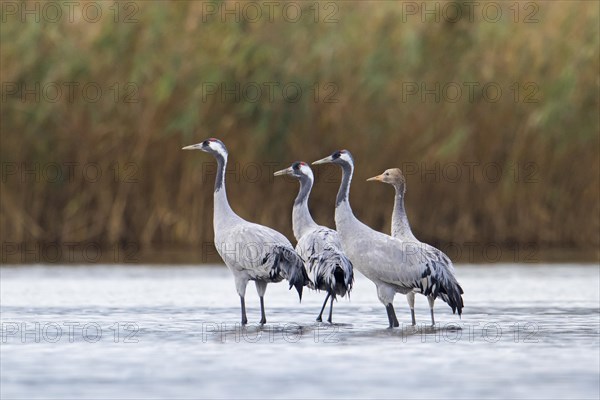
point(197, 146)
point(322, 161)
point(376, 178)
point(286, 171)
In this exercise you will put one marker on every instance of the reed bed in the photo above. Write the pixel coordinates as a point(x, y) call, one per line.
point(516, 167)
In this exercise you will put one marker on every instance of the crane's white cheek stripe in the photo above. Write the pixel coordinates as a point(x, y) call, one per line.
point(219, 149)
point(346, 157)
point(307, 171)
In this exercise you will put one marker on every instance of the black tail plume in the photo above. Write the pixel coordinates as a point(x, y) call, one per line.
point(290, 265)
point(452, 294)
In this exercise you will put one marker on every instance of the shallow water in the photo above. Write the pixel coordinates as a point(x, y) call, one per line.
point(154, 332)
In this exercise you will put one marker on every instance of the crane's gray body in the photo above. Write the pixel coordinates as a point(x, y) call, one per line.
point(252, 252)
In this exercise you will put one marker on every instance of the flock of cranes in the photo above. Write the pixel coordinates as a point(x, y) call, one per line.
point(324, 259)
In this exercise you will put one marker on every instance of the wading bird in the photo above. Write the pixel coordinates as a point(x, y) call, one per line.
point(320, 247)
point(252, 252)
point(440, 262)
point(394, 266)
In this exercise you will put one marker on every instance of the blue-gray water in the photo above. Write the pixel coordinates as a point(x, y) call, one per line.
point(170, 332)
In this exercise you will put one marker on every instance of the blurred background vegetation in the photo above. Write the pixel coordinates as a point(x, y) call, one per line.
point(515, 168)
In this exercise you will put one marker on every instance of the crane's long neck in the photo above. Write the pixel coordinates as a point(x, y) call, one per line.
point(400, 226)
point(342, 201)
point(302, 221)
point(222, 209)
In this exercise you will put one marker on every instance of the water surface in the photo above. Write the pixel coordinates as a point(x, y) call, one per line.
point(154, 332)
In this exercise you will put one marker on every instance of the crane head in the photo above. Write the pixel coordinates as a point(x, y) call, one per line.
point(393, 176)
point(212, 145)
point(298, 170)
point(339, 157)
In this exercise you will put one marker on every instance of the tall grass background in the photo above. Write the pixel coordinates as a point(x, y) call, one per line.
point(547, 193)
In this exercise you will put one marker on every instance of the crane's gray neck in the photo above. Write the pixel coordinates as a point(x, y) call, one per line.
point(400, 226)
point(302, 221)
point(222, 208)
point(344, 191)
point(345, 222)
point(220, 179)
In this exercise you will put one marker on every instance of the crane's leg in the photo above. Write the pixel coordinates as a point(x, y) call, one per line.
point(261, 288)
point(386, 296)
point(392, 315)
point(330, 311)
point(410, 297)
point(320, 317)
point(240, 285)
point(244, 319)
point(431, 301)
point(263, 317)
